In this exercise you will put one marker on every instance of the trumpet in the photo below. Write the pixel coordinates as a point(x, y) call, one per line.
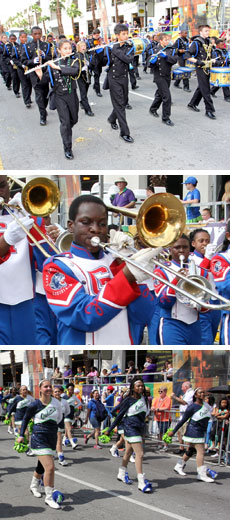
point(40, 197)
point(190, 289)
point(160, 222)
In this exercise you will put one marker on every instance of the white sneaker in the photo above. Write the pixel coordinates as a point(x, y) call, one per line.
point(62, 462)
point(164, 449)
point(15, 432)
point(114, 452)
point(10, 430)
point(74, 445)
point(215, 456)
point(49, 498)
point(123, 476)
point(29, 453)
point(34, 487)
point(202, 474)
point(143, 484)
point(179, 469)
point(132, 458)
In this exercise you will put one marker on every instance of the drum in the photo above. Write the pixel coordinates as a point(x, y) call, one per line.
point(190, 65)
point(140, 45)
point(177, 74)
point(220, 77)
point(187, 72)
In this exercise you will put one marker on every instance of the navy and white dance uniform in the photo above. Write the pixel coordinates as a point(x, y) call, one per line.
point(198, 416)
point(46, 420)
point(19, 407)
point(132, 415)
point(220, 268)
point(93, 300)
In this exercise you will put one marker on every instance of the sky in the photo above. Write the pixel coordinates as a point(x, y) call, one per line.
point(10, 7)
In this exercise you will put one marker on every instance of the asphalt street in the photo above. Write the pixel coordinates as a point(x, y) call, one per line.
point(195, 142)
point(92, 491)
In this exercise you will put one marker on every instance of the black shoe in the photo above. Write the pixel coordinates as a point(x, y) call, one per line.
point(17, 95)
point(89, 113)
point(114, 126)
point(127, 138)
point(139, 78)
point(187, 89)
point(210, 115)
point(43, 122)
point(28, 105)
point(153, 113)
point(167, 122)
point(135, 88)
point(177, 86)
point(9, 88)
point(81, 105)
point(227, 99)
point(69, 154)
point(193, 107)
point(213, 94)
point(128, 106)
point(99, 94)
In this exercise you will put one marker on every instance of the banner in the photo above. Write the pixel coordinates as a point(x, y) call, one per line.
point(35, 370)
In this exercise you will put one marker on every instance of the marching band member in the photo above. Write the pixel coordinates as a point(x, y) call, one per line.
point(84, 79)
point(220, 268)
point(47, 414)
point(202, 255)
point(161, 63)
point(17, 61)
point(181, 44)
point(10, 48)
point(118, 58)
point(223, 60)
point(97, 61)
point(199, 51)
point(35, 53)
point(179, 323)
point(90, 293)
point(63, 81)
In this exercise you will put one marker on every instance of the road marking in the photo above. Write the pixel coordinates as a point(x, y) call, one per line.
point(126, 499)
point(141, 95)
point(1, 164)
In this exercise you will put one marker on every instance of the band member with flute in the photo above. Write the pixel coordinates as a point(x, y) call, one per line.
point(35, 53)
point(118, 58)
point(201, 53)
point(161, 63)
point(63, 80)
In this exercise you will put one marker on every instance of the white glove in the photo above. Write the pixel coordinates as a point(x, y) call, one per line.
point(14, 233)
point(120, 242)
point(36, 60)
point(144, 257)
point(210, 251)
point(16, 200)
point(84, 68)
point(11, 62)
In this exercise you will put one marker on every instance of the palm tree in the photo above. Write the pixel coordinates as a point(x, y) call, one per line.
point(93, 13)
point(57, 6)
point(36, 10)
point(13, 367)
point(44, 19)
point(73, 12)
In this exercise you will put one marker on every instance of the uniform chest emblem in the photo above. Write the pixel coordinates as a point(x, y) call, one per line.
point(57, 281)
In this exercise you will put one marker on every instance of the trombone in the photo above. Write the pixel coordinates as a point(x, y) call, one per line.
point(160, 222)
point(40, 197)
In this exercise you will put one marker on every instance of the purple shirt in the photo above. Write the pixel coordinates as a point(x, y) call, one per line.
point(124, 198)
point(68, 373)
point(150, 369)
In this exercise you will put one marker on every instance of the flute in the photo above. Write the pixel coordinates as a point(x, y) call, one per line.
point(45, 64)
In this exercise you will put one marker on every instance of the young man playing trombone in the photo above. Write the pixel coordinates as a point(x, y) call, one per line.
point(97, 301)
